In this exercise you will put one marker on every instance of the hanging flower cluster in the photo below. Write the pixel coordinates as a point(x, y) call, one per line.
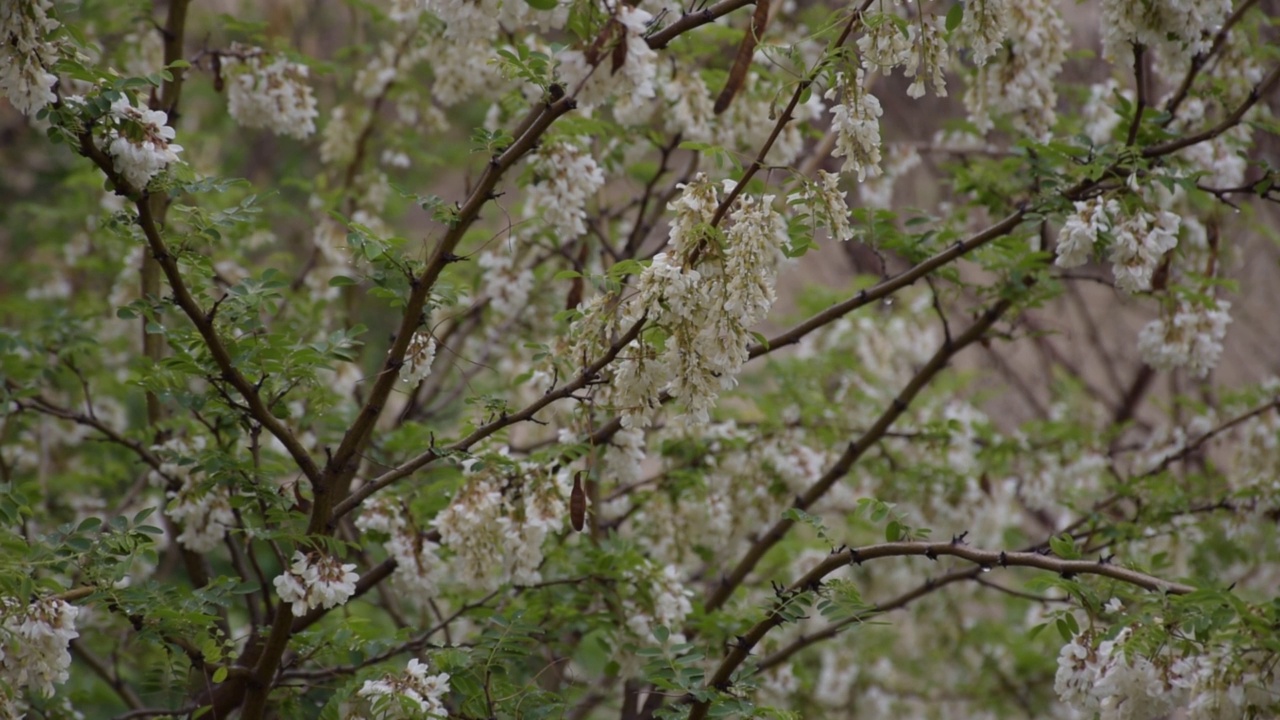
point(856, 120)
point(139, 142)
point(26, 54)
point(316, 580)
point(33, 647)
point(415, 693)
point(269, 92)
point(705, 311)
point(568, 177)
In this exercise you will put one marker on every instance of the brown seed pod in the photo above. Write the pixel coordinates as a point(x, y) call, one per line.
point(578, 504)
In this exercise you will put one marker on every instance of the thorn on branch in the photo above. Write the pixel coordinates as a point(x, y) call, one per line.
point(1067, 575)
point(854, 558)
point(931, 553)
point(837, 551)
point(1004, 559)
point(451, 258)
point(958, 540)
point(1105, 559)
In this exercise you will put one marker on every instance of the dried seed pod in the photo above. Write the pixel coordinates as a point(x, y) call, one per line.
point(578, 504)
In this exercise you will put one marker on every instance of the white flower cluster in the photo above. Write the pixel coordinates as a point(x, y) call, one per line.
point(496, 535)
point(1080, 231)
point(883, 45)
point(139, 142)
point(1191, 337)
point(418, 566)
point(1139, 243)
point(594, 80)
point(928, 57)
point(505, 285)
point(985, 26)
point(270, 92)
point(857, 124)
point(825, 205)
point(567, 176)
point(1020, 83)
point(1183, 26)
point(408, 696)
point(706, 312)
point(33, 647)
point(26, 55)
point(690, 110)
point(669, 599)
point(1112, 681)
point(1140, 240)
point(1100, 118)
point(1221, 159)
point(418, 358)
point(204, 513)
point(316, 580)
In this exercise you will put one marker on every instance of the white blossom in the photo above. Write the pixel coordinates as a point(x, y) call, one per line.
point(316, 580)
point(928, 58)
point(825, 204)
point(26, 54)
point(269, 92)
point(418, 358)
point(1021, 82)
point(1184, 26)
point(985, 25)
point(1140, 241)
point(856, 120)
point(594, 80)
point(567, 177)
point(1080, 232)
point(33, 642)
point(1190, 337)
point(140, 143)
point(410, 695)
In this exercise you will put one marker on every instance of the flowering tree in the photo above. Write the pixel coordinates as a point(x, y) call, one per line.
point(476, 402)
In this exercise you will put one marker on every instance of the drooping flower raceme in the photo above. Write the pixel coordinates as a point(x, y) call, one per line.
point(413, 694)
point(596, 79)
point(419, 568)
point(825, 205)
point(140, 143)
point(1190, 337)
point(856, 120)
point(1080, 231)
point(1184, 26)
point(33, 644)
point(270, 92)
point(1140, 243)
point(316, 580)
point(202, 511)
point(568, 177)
point(1019, 83)
point(705, 312)
point(26, 55)
point(418, 358)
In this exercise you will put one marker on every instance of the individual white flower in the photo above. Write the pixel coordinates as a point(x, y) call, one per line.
point(269, 92)
point(33, 642)
point(26, 54)
point(418, 358)
point(1191, 337)
point(1114, 606)
point(567, 177)
point(316, 580)
point(856, 120)
point(140, 143)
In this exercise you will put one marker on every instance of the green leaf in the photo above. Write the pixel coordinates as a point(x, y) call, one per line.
point(341, 281)
point(542, 4)
point(954, 16)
